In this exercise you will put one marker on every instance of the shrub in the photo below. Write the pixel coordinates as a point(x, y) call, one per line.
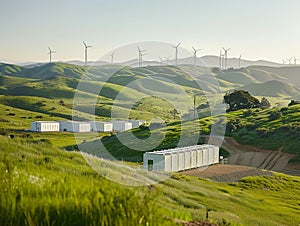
point(61, 102)
point(247, 113)
point(39, 104)
point(294, 102)
point(240, 99)
point(274, 115)
point(264, 103)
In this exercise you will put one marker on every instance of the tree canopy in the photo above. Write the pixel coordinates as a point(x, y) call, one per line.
point(241, 99)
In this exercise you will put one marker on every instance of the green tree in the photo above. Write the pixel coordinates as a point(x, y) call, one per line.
point(240, 99)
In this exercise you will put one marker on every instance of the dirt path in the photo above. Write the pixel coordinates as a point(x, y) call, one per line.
point(226, 173)
point(247, 155)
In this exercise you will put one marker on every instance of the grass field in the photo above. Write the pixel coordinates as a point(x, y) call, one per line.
point(44, 185)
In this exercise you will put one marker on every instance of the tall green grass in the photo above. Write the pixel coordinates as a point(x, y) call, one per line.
point(41, 185)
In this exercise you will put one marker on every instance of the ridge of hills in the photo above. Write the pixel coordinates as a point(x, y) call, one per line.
point(228, 79)
point(204, 61)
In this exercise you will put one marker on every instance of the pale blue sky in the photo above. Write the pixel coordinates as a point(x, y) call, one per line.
point(257, 29)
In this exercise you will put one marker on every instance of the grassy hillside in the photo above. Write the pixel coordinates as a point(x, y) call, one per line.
point(269, 129)
point(253, 127)
point(43, 185)
point(273, 88)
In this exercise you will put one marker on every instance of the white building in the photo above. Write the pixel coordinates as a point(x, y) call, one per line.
point(136, 123)
point(101, 126)
point(44, 126)
point(121, 125)
point(178, 159)
point(73, 126)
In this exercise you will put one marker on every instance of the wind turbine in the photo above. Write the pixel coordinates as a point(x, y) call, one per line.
point(290, 60)
point(50, 53)
point(176, 52)
point(86, 51)
point(220, 60)
point(112, 57)
point(161, 61)
point(240, 61)
point(141, 56)
point(226, 55)
point(167, 59)
point(223, 61)
point(295, 60)
point(195, 54)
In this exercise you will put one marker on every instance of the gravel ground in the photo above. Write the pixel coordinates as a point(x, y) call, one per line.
point(226, 173)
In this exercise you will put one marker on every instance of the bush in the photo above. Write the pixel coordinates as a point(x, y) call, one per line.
point(264, 103)
point(294, 102)
point(247, 113)
point(240, 99)
point(274, 115)
point(11, 114)
point(39, 104)
point(61, 102)
point(284, 109)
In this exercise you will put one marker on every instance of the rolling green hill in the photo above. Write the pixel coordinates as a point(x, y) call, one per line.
point(10, 69)
point(236, 77)
point(252, 127)
point(273, 88)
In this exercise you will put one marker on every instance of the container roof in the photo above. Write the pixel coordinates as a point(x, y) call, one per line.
point(45, 122)
point(180, 149)
point(74, 122)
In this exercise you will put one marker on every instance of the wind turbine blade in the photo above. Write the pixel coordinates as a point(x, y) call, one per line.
point(84, 44)
point(194, 49)
point(178, 44)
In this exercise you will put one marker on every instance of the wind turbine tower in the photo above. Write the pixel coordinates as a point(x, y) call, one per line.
point(86, 52)
point(195, 55)
point(240, 61)
point(226, 55)
point(50, 54)
point(295, 60)
point(176, 52)
point(161, 61)
point(283, 61)
point(141, 56)
point(220, 60)
point(112, 57)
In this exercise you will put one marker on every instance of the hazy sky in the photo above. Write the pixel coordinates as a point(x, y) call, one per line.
point(257, 29)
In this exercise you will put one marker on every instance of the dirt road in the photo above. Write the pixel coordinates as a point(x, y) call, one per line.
point(247, 155)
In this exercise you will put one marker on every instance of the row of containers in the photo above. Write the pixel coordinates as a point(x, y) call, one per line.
point(183, 158)
point(81, 127)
